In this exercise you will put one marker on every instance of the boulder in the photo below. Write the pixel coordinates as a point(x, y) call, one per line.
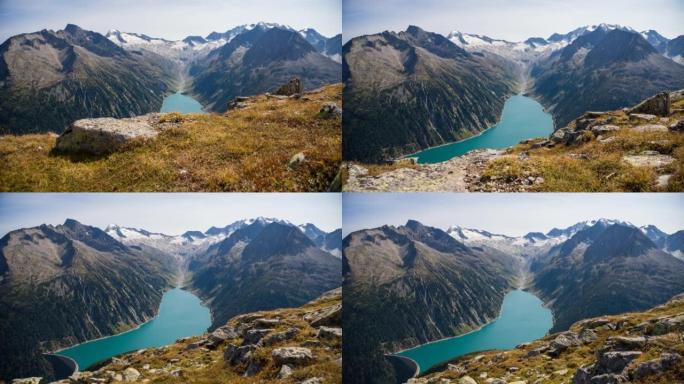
point(655, 366)
point(330, 110)
point(329, 333)
point(220, 335)
point(279, 337)
point(293, 87)
point(648, 159)
point(467, 380)
point(587, 335)
point(285, 372)
point(615, 362)
point(650, 128)
point(253, 336)
point(27, 380)
point(266, 323)
point(313, 380)
point(253, 368)
point(330, 316)
point(296, 159)
point(677, 126)
point(292, 355)
point(655, 105)
point(106, 135)
point(642, 116)
point(624, 343)
point(236, 355)
point(131, 374)
point(603, 129)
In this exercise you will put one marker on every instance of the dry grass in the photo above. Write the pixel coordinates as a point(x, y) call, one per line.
point(246, 150)
point(595, 165)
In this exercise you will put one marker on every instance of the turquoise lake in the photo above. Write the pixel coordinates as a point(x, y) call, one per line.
point(522, 118)
point(523, 318)
point(179, 102)
point(181, 314)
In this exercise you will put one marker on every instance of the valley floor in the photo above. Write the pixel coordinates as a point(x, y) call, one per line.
point(271, 144)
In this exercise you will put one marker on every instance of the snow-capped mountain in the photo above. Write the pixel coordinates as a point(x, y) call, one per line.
point(193, 242)
point(194, 46)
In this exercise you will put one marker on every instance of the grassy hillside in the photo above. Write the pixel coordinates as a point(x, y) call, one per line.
point(652, 333)
point(247, 149)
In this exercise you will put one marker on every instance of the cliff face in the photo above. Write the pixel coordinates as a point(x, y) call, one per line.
point(65, 284)
point(301, 345)
point(396, 278)
point(639, 347)
point(411, 90)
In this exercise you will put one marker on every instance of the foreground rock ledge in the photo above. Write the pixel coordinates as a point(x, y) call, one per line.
point(105, 135)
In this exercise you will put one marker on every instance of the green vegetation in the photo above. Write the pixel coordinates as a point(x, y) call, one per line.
point(247, 149)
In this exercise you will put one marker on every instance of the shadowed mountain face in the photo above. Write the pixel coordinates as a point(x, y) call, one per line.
point(606, 270)
point(396, 278)
point(60, 285)
point(415, 89)
point(49, 79)
point(262, 266)
point(259, 61)
point(602, 70)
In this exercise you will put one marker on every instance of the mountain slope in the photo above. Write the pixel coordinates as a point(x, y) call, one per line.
point(50, 273)
point(259, 267)
point(257, 61)
point(639, 347)
point(606, 269)
point(415, 89)
point(602, 70)
point(49, 79)
point(395, 278)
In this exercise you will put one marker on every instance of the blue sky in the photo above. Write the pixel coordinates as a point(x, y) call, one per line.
point(512, 20)
point(511, 214)
point(170, 19)
point(170, 213)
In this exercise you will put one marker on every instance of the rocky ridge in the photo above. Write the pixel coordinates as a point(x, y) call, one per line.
point(296, 345)
point(638, 148)
point(640, 347)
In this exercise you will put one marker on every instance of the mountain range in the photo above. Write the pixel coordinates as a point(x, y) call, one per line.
point(115, 278)
point(585, 270)
point(396, 111)
point(49, 78)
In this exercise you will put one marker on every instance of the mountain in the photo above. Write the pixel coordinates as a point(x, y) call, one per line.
point(411, 90)
point(261, 266)
point(674, 244)
point(675, 49)
point(657, 236)
point(638, 347)
point(602, 70)
point(303, 344)
point(658, 41)
point(397, 277)
point(331, 47)
point(49, 79)
point(257, 61)
point(605, 269)
point(50, 273)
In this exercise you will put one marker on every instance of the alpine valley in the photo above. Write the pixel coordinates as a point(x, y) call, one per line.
point(407, 287)
point(67, 284)
point(415, 89)
point(49, 79)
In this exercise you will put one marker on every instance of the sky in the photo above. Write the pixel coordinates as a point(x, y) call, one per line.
point(169, 19)
point(512, 214)
point(169, 213)
point(510, 20)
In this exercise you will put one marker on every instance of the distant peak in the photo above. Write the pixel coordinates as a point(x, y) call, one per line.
point(71, 28)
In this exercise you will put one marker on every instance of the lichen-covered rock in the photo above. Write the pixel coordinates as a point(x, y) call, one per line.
point(279, 337)
point(131, 374)
point(655, 366)
point(655, 105)
point(293, 87)
point(106, 135)
point(253, 336)
point(292, 355)
point(329, 333)
point(237, 355)
point(651, 159)
point(27, 380)
point(330, 110)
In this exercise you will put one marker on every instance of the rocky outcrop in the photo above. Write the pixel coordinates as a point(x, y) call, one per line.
point(658, 105)
point(293, 87)
point(105, 135)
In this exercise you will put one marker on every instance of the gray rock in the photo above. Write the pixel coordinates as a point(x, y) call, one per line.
point(609, 378)
point(293, 87)
point(196, 344)
point(329, 316)
point(220, 335)
point(292, 355)
point(279, 337)
point(583, 375)
point(656, 366)
point(648, 159)
point(253, 368)
point(643, 116)
point(296, 159)
point(131, 374)
point(467, 380)
point(330, 110)
point(604, 129)
point(587, 335)
point(27, 380)
point(313, 380)
point(237, 355)
point(106, 135)
point(285, 372)
point(650, 128)
point(624, 343)
point(253, 336)
point(564, 341)
point(615, 362)
point(329, 333)
point(655, 105)
point(266, 323)
point(677, 126)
